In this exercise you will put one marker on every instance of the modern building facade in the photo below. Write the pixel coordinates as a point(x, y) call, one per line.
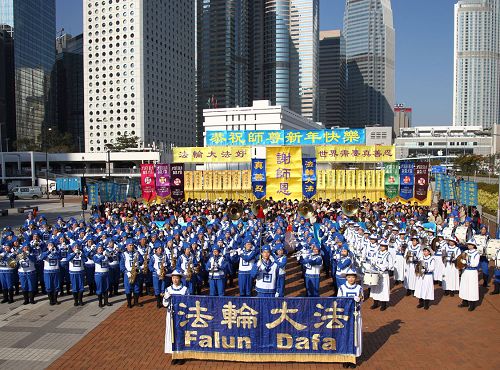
point(32, 25)
point(332, 79)
point(370, 52)
point(402, 118)
point(139, 72)
point(476, 97)
point(67, 88)
point(7, 105)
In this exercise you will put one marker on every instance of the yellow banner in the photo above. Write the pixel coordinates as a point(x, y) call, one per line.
point(188, 180)
point(198, 180)
point(379, 183)
point(370, 184)
point(217, 180)
point(246, 180)
point(284, 172)
point(208, 180)
point(360, 183)
point(321, 179)
point(215, 154)
point(339, 184)
point(350, 184)
point(236, 180)
point(355, 153)
point(226, 180)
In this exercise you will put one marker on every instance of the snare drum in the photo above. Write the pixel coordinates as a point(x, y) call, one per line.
point(461, 234)
point(480, 243)
point(491, 248)
point(371, 278)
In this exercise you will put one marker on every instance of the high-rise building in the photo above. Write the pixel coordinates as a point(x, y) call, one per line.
point(476, 94)
point(32, 26)
point(332, 78)
point(370, 52)
point(402, 118)
point(222, 56)
point(67, 88)
point(139, 72)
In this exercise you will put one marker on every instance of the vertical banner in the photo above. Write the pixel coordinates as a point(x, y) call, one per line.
point(217, 180)
point(227, 185)
point(406, 180)
point(246, 180)
point(468, 193)
point(284, 172)
point(236, 180)
point(421, 180)
point(309, 177)
point(207, 180)
point(188, 181)
point(148, 181)
point(370, 184)
point(391, 180)
point(350, 184)
point(340, 184)
point(197, 180)
point(259, 178)
point(177, 181)
point(330, 184)
point(93, 193)
point(163, 180)
point(439, 183)
point(379, 183)
point(134, 188)
point(360, 183)
point(321, 180)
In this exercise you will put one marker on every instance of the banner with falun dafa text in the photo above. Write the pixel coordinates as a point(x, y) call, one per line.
point(259, 178)
point(231, 329)
point(284, 172)
point(309, 179)
point(355, 153)
point(212, 154)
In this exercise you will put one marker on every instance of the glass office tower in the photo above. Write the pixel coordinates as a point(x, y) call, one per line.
point(32, 25)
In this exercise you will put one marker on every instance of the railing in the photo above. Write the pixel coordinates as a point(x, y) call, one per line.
point(97, 171)
point(491, 222)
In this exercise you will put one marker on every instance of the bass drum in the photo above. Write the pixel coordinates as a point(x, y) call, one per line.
point(491, 248)
point(480, 243)
point(461, 234)
point(371, 278)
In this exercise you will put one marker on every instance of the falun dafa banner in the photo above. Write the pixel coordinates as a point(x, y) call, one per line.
point(284, 172)
point(212, 154)
point(355, 153)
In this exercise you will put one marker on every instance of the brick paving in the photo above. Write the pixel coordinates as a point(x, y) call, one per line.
point(403, 337)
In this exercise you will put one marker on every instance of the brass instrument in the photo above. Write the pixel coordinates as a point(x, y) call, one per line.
point(161, 274)
point(12, 262)
point(435, 244)
point(189, 269)
point(258, 204)
point(458, 262)
point(444, 255)
point(145, 266)
point(135, 269)
point(350, 207)
point(305, 209)
point(419, 269)
point(235, 210)
point(409, 257)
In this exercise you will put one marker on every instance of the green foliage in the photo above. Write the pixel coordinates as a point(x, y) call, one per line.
point(468, 164)
point(124, 142)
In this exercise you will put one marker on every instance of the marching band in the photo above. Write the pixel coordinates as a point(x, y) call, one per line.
point(183, 247)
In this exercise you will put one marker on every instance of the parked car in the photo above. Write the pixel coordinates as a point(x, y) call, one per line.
point(27, 192)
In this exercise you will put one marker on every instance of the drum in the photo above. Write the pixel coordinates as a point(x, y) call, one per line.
point(461, 234)
point(491, 248)
point(371, 278)
point(447, 232)
point(481, 243)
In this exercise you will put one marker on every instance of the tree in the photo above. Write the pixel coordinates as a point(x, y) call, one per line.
point(123, 142)
point(469, 163)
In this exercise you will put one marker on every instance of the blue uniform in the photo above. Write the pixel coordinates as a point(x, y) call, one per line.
point(126, 265)
point(27, 273)
point(313, 268)
point(101, 273)
point(76, 264)
point(247, 260)
point(51, 270)
point(216, 275)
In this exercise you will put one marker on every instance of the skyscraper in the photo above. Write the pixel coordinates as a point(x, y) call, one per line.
point(370, 51)
point(32, 25)
point(402, 118)
point(139, 72)
point(332, 78)
point(476, 94)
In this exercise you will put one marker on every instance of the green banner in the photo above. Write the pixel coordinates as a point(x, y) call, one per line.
point(391, 179)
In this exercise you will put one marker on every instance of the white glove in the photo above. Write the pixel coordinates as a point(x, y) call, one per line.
point(128, 274)
point(167, 295)
point(276, 294)
point(357, 299)
point(464, 261)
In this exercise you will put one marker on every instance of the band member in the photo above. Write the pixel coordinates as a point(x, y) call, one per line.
point(27, 274)
point(411, 257)
point(38, 246)
point(216, 272)
point(158, 265)
point(344, 264)
point(247, 260)
point(187, 263)
point(497, 273)
point(313, 265)
point(7, 272)
point(483, 259)
point(63, 265)
point(114, 267)
point(350, 289)
point(102, 276)
point(129, 266)
point(469, 289)
point(51, 273)
point(76, 262)
point(280, 259)
point(424, 285)
point(451, 280)
point(89, 251)
point(382, 263)
point(177, 288)
point(265, 273)
point(399, 261)
point(438, 273)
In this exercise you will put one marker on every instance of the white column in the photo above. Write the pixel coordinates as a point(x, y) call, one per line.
point(33, 172)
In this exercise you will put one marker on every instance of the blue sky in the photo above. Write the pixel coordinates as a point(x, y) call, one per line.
point(424, 51)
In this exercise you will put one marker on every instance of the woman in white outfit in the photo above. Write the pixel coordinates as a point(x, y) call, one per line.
point(411, 256)
point(399, 261)
point(451, 280)
point(438, 260)
point(382, 263)
point(424, 285)
point(469, 282)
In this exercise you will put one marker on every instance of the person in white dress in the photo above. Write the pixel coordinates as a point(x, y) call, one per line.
point(438, 260)
point(381, 263)
point(353, 290)
point(399, 263)
point(469, 281)
point(451, 280)
point(177, 288)
point(411, 256)
point(424, 285)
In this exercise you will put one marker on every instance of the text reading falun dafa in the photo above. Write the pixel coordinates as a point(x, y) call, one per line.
point(341, 136)
point(212, 155)
point(287, 326)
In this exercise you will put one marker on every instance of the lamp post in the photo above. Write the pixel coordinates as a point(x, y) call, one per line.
point(109, 163)
point(47, 162)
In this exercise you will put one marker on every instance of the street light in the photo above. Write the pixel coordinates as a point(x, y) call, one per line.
point(47, 162)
